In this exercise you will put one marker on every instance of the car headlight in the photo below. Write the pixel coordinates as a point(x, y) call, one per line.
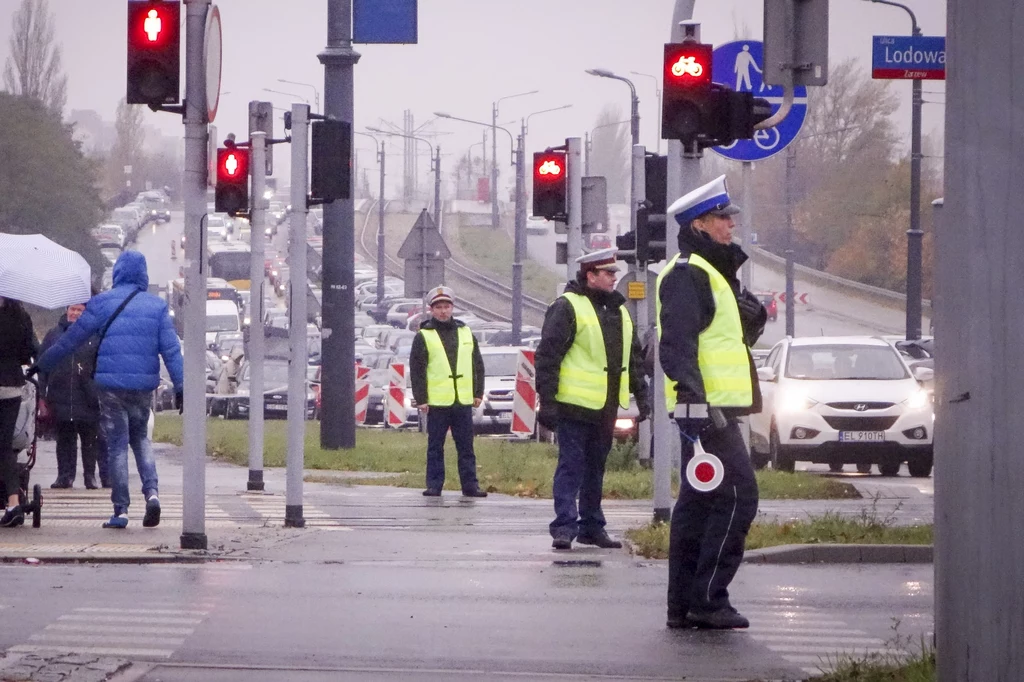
point(623, 424)
point(795, 400)
point(918, 399)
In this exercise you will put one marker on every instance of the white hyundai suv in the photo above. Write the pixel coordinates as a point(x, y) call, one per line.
point(842, 400)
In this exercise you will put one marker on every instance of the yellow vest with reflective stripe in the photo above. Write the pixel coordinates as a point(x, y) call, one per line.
point(444, 387)
point(583, 376)
point(721, 354)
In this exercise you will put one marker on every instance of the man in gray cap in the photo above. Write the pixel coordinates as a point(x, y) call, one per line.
point(706, 323)
point(588, 362)
point(446, 371)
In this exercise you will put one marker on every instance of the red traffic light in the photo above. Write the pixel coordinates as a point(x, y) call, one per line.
point(687, 65)
point(232, 191)
point(549, 166)
point(152, 25)
point(232, 164)
point(549, 185)
point(154, 51)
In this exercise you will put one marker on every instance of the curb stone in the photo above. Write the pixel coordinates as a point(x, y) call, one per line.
point(826, 554)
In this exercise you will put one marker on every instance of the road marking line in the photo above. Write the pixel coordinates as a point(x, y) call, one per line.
point(92, 627)
point(100, 651)
point(164, 612)
point(87, 639)
point(821, 639)
point(131, 619)
point(824, 650)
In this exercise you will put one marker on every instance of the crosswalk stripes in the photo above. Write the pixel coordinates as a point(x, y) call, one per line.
point(271, 507)
point(812, 639)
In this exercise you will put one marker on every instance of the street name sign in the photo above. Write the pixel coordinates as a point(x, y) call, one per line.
point(909, 57)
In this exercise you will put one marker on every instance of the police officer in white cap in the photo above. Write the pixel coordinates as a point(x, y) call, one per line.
point(588, 362)
point(705, 325)
point(447, 376)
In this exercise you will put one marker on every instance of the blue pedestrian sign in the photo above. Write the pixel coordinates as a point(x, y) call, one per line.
point(739, 65)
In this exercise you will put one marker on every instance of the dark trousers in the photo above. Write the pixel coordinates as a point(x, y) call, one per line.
point(8, 458)
point(709, 528)
point(582, 453)
point(68, 435)
point(459, 419)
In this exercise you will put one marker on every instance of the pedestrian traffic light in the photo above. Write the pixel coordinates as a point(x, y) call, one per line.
point(650, 236)
point(549, 185)
point(330, 175)
point(154, 52)
point(626, 245)
point(232, 193)
point(686, 83)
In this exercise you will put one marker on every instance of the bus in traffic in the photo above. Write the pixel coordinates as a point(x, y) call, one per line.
point(216, 290)
point(231, 262)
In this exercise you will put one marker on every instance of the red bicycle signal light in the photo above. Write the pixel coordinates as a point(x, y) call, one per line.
point(686, 109)
point(154, 52)
point(549, 185)
point(687, 65)
point(232, 192)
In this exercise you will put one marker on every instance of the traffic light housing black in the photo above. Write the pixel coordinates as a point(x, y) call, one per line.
point(549, 185)
point(154, 52)
point(686, 86)
point(330, 174)
point(650, 236)
point(232, 192)
point(626, 244)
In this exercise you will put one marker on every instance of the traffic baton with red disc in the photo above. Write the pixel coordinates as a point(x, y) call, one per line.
point(705, 471)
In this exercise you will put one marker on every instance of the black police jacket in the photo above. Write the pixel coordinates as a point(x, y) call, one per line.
point(68, 388)
point(557, 337)
point(687, 309)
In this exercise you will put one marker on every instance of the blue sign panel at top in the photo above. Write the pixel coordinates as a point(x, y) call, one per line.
point(914, 57)
point(384, 21)
point(739, 65)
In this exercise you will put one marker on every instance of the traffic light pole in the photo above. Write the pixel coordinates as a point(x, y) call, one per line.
point(255, 348)
point(519, 241)
point(193, 502)
point(574, 199)
point(337, 420)
point(642, 318)
point(299, 355)
point(380, 231)
point(746, 217)
point(790, 275)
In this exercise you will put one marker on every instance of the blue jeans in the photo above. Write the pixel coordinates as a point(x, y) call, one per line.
point(124, 418)
point(458, 418)
point(582, 453)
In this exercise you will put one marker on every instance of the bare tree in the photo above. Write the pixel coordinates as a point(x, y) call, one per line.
point(33, 67)
point(610, 152)
point(127, 150)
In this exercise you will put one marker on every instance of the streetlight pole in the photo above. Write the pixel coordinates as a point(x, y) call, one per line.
point(634, 133)
point(657, 116)
point(914, 234)
point(494, 153)
point(380, 220)
point(316, 92)
point(287, 94)
point(435, 163)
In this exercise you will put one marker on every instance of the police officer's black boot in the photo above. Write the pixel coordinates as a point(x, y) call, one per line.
point(726, 618)
point(599, 538)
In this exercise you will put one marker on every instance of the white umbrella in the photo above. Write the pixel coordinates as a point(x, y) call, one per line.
point(35, 270)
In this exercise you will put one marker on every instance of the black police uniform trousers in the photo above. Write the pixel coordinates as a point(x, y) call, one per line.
point(709, 528)
point(68, 434)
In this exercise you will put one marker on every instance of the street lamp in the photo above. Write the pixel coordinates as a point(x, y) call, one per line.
point(657, 93)
point(316, 93)
point(435, 162)
point(494, 153)
point(588, 143)
point(634, 131)
point(287, 94)
point(380, 221)
point(914, 234)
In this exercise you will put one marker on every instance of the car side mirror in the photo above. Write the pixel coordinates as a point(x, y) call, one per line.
point(924, 374)
point(765, 374)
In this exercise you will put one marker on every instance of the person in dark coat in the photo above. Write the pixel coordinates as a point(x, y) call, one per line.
point(706, 323)
point(18, 347)
point(588, 361)
point(71, 396)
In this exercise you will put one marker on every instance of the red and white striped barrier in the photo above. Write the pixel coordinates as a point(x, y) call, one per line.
point(362, 393)
point(524, 404)
point(396, 395)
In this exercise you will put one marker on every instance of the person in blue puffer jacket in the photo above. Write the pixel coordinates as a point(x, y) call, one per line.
point(139, 331)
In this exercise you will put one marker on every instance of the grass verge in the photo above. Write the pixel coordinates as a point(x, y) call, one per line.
point(524, 469)
point(905, 659)
point(869, 528)
point(493, 251)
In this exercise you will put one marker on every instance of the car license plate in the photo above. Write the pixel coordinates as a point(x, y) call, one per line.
point(861, 436)
point(277, 407)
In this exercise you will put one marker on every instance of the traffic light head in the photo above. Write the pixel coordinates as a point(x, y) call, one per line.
point(549, 185)
point(232, 193)
point(154, 52)
point(686, 83)
point(330, 174)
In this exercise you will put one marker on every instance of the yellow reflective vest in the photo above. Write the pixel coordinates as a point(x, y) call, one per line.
point(444, 387)
point(721, 354)
point(583, 375)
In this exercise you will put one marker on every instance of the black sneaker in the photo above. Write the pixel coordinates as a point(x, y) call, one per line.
point(12, 517)
point(474, 492)
point(432, 492)
point(722, 619)
point(152, 517)
point(600, 539)
point(561, 542)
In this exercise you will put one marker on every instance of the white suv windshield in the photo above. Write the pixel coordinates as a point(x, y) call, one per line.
point(500, 364)
point(845, 362)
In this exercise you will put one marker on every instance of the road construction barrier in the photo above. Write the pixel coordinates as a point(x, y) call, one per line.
point(524, 404)
point(396, 395)
point(362, 393)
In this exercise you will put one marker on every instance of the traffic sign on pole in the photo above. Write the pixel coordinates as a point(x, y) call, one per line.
point(740, 65)
point(909, 57)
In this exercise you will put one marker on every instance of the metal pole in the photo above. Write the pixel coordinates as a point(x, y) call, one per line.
point(494, 166)
point(745, 226)
point(790, 307)
point(193, 502)
point(380, 233)
point(642, 317)
point(588, 149)
point(337, 420)
point(634, 133)
point(437, 189)
point(255, 350)
point(299, 356)
point(519, 241)
point(574, 224)
point(914, 234)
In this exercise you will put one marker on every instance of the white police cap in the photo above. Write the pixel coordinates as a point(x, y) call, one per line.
point(440, 294)
point(710, 198)
point(602, 259)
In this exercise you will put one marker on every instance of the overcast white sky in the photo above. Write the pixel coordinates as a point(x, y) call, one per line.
point(470, 53)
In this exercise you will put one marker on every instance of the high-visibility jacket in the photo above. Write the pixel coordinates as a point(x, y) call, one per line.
point(721, 354)
point(583, 374)
point(444, 387)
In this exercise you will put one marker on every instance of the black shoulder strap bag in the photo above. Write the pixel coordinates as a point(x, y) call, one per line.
point(106, 326)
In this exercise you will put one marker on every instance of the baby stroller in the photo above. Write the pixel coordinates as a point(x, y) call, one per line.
point(25, 445)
